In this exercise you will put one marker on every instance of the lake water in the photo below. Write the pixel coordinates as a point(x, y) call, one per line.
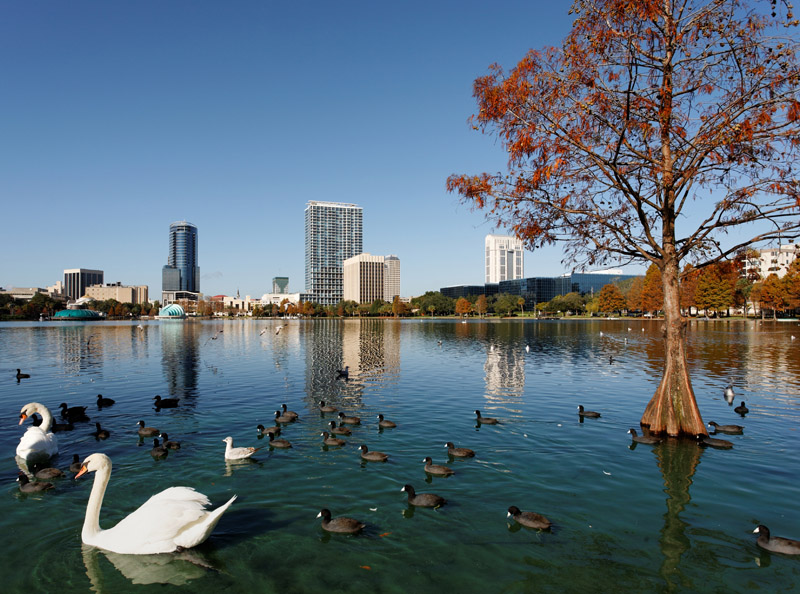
point(675, 517)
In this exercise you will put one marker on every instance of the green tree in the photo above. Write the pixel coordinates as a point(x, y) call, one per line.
point(375, 307)
point(505, 304)
point(442, 304)
point(610, 299)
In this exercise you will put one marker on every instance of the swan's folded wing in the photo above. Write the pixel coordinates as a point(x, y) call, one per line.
point(186, 494)
point(154, 527)
point(197, 532)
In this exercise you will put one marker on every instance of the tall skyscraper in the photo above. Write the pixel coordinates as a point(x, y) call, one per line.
point(333, 234)
point(391, 278)
point(76, 281)
point(180, 278)
point(504, 258)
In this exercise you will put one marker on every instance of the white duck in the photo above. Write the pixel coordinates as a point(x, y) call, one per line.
point(37, 444)
point(174, 518)
point(232, 453)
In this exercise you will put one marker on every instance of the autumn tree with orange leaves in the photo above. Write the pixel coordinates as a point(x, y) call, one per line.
point(649, 111)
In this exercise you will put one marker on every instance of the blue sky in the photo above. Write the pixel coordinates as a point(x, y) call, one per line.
point(119, 118)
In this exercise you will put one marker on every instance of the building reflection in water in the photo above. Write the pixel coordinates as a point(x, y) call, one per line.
point(81, 348)
point(504, 367)
point(370, 348)
point(180, 357)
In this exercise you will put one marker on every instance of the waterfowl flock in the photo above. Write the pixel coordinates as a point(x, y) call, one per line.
point(177, 517)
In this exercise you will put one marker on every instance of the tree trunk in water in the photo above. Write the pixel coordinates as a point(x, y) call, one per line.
point(673, 409)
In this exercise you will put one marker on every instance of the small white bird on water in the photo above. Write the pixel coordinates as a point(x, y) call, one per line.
point(729, 394)
point(232, 453)
point(527, 348)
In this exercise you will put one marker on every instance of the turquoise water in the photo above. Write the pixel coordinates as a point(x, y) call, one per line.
point(673, 517)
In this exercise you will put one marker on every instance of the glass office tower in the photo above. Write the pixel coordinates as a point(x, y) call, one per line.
point(181, 274)
point(333, 234)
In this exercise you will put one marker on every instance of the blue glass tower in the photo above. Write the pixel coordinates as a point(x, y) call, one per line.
point(181, 272)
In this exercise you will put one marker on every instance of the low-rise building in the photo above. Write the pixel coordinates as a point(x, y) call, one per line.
point(777, 260)
point(118, 292)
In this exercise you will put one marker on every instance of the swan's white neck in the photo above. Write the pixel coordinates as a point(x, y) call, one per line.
point(47, 419)
point(91, 523)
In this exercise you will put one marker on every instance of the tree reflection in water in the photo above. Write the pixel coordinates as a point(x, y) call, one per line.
point(677, 460)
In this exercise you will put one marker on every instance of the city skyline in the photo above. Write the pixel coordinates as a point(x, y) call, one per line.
point(217, 121)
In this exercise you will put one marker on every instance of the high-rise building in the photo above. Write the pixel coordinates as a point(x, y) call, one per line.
point(333, 234)
point(391, 278)
point(76, 280)
point(504, 258)
point(180, 278)
point(363, 278)
point(280, 285)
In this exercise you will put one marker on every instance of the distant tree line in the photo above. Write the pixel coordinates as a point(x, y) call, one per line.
point(713, 290)
point(21, 309)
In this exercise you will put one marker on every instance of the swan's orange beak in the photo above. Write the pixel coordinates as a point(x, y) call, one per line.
point(22, 417)
point(82, 471)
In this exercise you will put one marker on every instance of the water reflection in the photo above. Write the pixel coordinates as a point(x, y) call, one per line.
point(369, 347)
point(81, 348)
point(677, 460)
point(505, 375)
point(176, 569)
point(180, 357)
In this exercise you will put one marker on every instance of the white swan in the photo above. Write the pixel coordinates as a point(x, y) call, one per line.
point(175, 518)
point(37, 444)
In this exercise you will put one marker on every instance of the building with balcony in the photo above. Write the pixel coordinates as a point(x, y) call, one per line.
point(777, 260)
point(333, 233)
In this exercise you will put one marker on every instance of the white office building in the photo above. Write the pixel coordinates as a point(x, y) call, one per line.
point(504, 258)
point(363, 277)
